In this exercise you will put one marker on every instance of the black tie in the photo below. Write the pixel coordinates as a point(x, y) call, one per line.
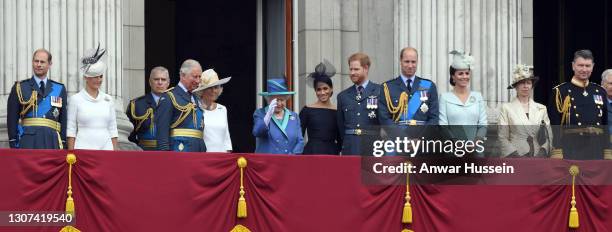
point(408, 85)
point(42, 87)
point(359, 90)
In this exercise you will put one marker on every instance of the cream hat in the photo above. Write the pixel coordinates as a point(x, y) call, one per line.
point(210, 79)
point(522, 72)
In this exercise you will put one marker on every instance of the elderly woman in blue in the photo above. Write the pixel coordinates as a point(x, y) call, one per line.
point(462, 106)
point(277, 129)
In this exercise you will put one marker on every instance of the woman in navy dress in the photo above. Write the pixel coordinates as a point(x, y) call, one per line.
point(319, 119)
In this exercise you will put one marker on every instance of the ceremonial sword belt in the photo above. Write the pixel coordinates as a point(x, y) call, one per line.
point(42, 122)
point(586, 130)
point(411, 123)
point(360, 132)
point(45, 123)
point(147, 143)
point(192, 133)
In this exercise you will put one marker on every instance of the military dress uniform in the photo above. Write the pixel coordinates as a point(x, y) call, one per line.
point(408, 108)
point(581, 111)
point(142, 112)
point(358, 118)
point(180, 122)
point(36, 115)
point(409, 105)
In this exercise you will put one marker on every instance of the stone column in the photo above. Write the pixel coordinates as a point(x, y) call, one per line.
point(490, 30)
point(66, 28)
point(335, 29)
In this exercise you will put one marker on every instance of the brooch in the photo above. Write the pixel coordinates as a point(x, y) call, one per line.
point(424, 108)
point(372, 115)
point(55, 113)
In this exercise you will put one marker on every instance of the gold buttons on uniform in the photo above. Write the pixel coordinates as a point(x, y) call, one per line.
point(579, 124)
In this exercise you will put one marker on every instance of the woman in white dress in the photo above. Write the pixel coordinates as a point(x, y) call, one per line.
point(524, 126)
point(462, 107)
point(216, 129)
point(91, 113)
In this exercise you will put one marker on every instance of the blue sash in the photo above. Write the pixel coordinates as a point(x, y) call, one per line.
point(44, 105)
point(415, 101)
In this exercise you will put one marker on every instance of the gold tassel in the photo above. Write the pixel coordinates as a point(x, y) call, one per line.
point(242, 206)
point(407, 213)
point(573, 217)
point(71, 160)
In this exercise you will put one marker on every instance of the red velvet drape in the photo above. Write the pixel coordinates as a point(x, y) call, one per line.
point(159, 191)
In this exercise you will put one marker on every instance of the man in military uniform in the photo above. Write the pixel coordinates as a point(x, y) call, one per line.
point(409, 104)
point(36, 113)
point(579, 106)
point(142, 110)
point(181, 121)
point(409, 99)
point(357, 107)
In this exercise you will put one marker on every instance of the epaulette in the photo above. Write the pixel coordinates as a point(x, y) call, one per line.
point(169, 89)
point(559, 85)
point(425, 79)
point(141, 97)
point(590, 82)
point(56, 82)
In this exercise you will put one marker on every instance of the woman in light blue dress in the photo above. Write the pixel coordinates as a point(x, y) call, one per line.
point(461, 106)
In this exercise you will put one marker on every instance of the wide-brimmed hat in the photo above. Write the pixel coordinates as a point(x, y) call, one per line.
point(277, 86)
point(210, 79)
point(461, 60)
point(520, 73)
point(93, 62)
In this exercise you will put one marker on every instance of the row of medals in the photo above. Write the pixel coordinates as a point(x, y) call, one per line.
point(372, 103)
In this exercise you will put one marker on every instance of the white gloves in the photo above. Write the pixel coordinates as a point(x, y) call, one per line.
point(270, 112)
